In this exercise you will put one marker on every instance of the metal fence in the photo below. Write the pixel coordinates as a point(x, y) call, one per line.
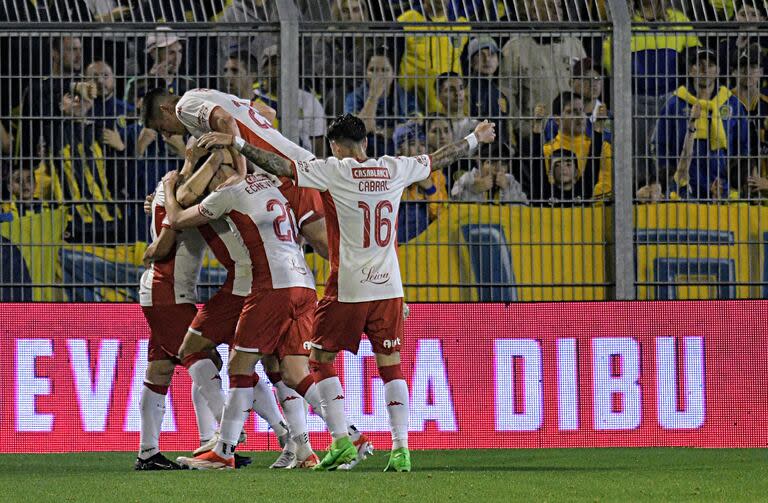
point(601, 185)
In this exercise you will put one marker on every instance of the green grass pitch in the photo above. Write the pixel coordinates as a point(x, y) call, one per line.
point(478, 476)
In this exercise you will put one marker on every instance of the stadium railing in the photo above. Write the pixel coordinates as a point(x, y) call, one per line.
point(79, 232)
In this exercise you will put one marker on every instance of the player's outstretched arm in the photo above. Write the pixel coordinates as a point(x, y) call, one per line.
point(178, 217)
point(485, 132)
point(269, 162)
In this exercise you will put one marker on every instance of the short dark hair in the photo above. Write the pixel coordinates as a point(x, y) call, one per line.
point(562, 101)
point(495, 151)
point(384, 51)
point(347, 128)
point(150, 107)
point(443, 77)
point(250, 61)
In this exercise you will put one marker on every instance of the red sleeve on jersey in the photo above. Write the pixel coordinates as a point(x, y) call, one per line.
point(306, 204)
point(295, 173)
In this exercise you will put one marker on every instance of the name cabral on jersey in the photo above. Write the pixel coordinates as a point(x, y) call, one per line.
point(374, 179)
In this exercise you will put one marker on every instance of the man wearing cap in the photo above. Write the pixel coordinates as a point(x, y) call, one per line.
point(166, 52)
point(415, 215)
point(720, 132)
point(485, 98)
point(752, 13)
point(748, 72)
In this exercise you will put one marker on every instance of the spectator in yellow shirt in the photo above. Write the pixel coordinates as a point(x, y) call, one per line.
point(422, 201)
point(427, 56)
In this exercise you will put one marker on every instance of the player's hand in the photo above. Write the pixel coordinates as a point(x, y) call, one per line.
point(193, 151)
point(406, 311)
point(170, 180)
point(485, 132)
point(112, 138)
point(148, 203)
point(215, 140)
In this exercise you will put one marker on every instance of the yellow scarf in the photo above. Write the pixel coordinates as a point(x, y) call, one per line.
point(714, 131)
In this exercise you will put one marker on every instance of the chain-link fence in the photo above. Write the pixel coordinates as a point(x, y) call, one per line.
point(630, 159)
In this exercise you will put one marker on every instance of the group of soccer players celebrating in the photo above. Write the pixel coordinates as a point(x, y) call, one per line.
point(253, 198)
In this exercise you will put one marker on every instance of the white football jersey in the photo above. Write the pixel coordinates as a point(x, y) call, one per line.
point(172, 280)
point(361, 201)
point(265, 227)
point(194, 110)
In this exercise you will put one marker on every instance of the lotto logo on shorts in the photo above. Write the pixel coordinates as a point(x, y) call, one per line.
point(307, 345)
point(391, 343)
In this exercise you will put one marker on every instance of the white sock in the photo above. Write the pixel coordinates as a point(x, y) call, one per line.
point(396, 397)
point(205, 375)
point(264, 405)
point(353, 432)
point(332, 400)
point(312, 397)
point(152, 409)
point(293, 409)
point(232, 420)
point(206, 423)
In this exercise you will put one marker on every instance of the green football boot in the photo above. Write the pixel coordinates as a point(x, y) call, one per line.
point(399, 461)
point(341, 452)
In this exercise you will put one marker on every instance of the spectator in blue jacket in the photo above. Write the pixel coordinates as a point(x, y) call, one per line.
point(720, 133)
point(486, 100)
point(380, 102)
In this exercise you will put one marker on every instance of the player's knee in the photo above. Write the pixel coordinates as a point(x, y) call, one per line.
point(271, 364)
point(321, 356)
point(242, 363)
point(194, 343)
point(159, 372)
point(293, 375)
point(387, 360)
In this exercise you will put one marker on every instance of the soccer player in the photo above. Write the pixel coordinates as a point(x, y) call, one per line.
point(204, 110)
point(167, 294)
point(281, 300)
point(364, 291)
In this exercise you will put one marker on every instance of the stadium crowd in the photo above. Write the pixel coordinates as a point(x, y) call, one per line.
point(70, 134)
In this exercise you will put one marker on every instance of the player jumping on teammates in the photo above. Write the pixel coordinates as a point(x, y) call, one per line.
point(364, 292)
